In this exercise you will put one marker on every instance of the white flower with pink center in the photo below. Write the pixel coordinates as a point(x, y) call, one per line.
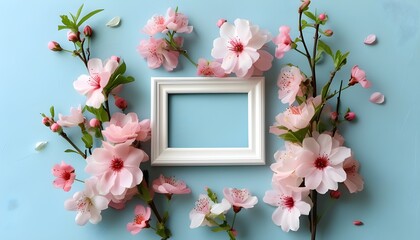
point(170, 185)
point(239, 198)
point(238, 46)
point(290, 206)
point(156, 24)
point(88, 204)
point(289, 81)
point(293, 118)
point(126, 128)
point(74, 119)
point(202, 209)
point(117, 167)
point(321, 163)
point(93, 84)
point(141, 219)
point(354, 181)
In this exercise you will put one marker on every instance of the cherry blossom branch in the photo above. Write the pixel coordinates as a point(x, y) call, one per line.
point(308, 55)
point(313, 214)
point(313, 69)
point(337, 108)
point(64, 135)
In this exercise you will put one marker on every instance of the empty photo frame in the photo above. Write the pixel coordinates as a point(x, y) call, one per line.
point(171, 92)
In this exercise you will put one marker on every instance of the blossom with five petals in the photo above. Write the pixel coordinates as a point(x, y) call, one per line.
point(141, 219)
point(239, 198)
point(75, 118)
point(202, 209)
point(293, 118)
point(321, 163)
point(169, 185)
point(88, 204)
point(65, 176)
point(126, 128)
point(117, 167)
point(209, 68)
point(283, 42)
point(238, 46)
point(285, 165)
point(157, 53)
point(354, 182)
point(289, 81)
point(93, 84)
point(178, 22)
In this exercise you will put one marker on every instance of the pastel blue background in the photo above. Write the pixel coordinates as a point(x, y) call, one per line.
point(208, 120)
point(384, 138)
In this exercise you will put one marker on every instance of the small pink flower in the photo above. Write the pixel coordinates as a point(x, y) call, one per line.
point(141, 219)
point(359, 76)
point(126, 128)
point(116, 167)
point(354, 182)
point(65, 176)
point(157, 54)
point(209, 69)
point(239, 198)
point(156, 24)
point(220, 22)
point(293, 118)
point(264, 63)
point(169, 185)
point(289, 81)
point(202, 209)
point(285, 166)
point(74, 119)
point(283, 42)
point(54, 46)
point(178, 22)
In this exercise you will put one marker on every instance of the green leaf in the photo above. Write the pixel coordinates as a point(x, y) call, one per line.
point(61, 27)
point(87, 139)
point(52, 111)
point(66, 21)
point(325, 89)
point(212, 195)
point(310, 15)
point(79, 11)
point(70, 151)
point(87, 16)
point(324, 47)
point(295, 137)
point(100, 113)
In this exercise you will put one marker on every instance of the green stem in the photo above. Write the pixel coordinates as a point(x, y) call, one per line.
point(185, 54)
point(233, 221)
point(335, 93)
point(64, 135)
point(78, 180)
point(299, 51)
point(85, 61)
point(107, 108)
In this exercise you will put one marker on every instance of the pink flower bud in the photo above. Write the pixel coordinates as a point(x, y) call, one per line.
point(304, 5)
point(350, 116)
point(55, 127)
point(72, 37)
point(54, 46)
point(220, 22)
point(115, 58)
point(322, 16)
point(328, 32)
point(334, 116)
point(87, 31)
point(335, 194)
point(46, 121)
point(234, 232)
point(94, 123)
point(121, 103)
point(358, 223)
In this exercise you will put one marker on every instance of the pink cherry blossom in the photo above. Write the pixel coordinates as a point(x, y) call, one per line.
point(169, 185)
point(177, 22)
point(293, 118)
point(264, 63)
point(88, 204)
point(359, 76)
point(321, 163)
point(285, 166)
point(238, 46)
point(221, 208)
point(202, 209)
point(377, 98)
point(289, 81)
point(156, 24)
point(354, 181)
point(65, 176)
point(239, 198)
point(157, 54)
point(93, 84)
point(118, 201)
point(117, 167)
point(141, 219)
point(283, 42)
point(290, 205)
point(126, 128)
point(74, 119)
point(209, 68)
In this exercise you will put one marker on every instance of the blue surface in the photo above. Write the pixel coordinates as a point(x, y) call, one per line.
point(385, 139)
point(208, 120)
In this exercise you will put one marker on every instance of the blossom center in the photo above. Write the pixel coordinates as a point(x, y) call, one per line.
point(351, 170)
point(83, 204)
point(95, 81)
point(138, 219)
point(236, 46)
point(202, 205)
point(295, 110)
point(288, 202)
point(65, 175)
point(117, 164)
point(321, 162)
point(239, 195)
point(171, 181)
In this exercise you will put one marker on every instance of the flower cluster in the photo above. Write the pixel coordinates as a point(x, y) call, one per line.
point(209, 212)
point(114, 167)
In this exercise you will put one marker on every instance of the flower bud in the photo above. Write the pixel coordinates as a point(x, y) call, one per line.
point(73, 37)
point(87, 31)
point(322, 16)
point(220, 22)
point(94, 123)
point(304, 5)
point(121, 103)
point(334, 116)
point(335, 194)
point(46, 121)
point(115, 58)
point(357, 222)
point(234, 232)
point(54, 46)
point(328, 32)
point(55, 127)
point(350, 116)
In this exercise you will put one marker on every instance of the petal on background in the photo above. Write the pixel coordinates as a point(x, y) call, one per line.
point(377, 98)
point(370, 39)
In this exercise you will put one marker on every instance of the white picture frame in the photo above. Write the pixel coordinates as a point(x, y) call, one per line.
point(162, 155)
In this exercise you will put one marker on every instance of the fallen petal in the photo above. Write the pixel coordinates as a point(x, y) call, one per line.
point(358, 223)
point(40, 145)
point(115, 22)
point(371, 39)
point(377, 98)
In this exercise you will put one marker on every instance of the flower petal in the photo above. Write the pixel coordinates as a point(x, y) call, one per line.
point(377, 98)
point(370, 39)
